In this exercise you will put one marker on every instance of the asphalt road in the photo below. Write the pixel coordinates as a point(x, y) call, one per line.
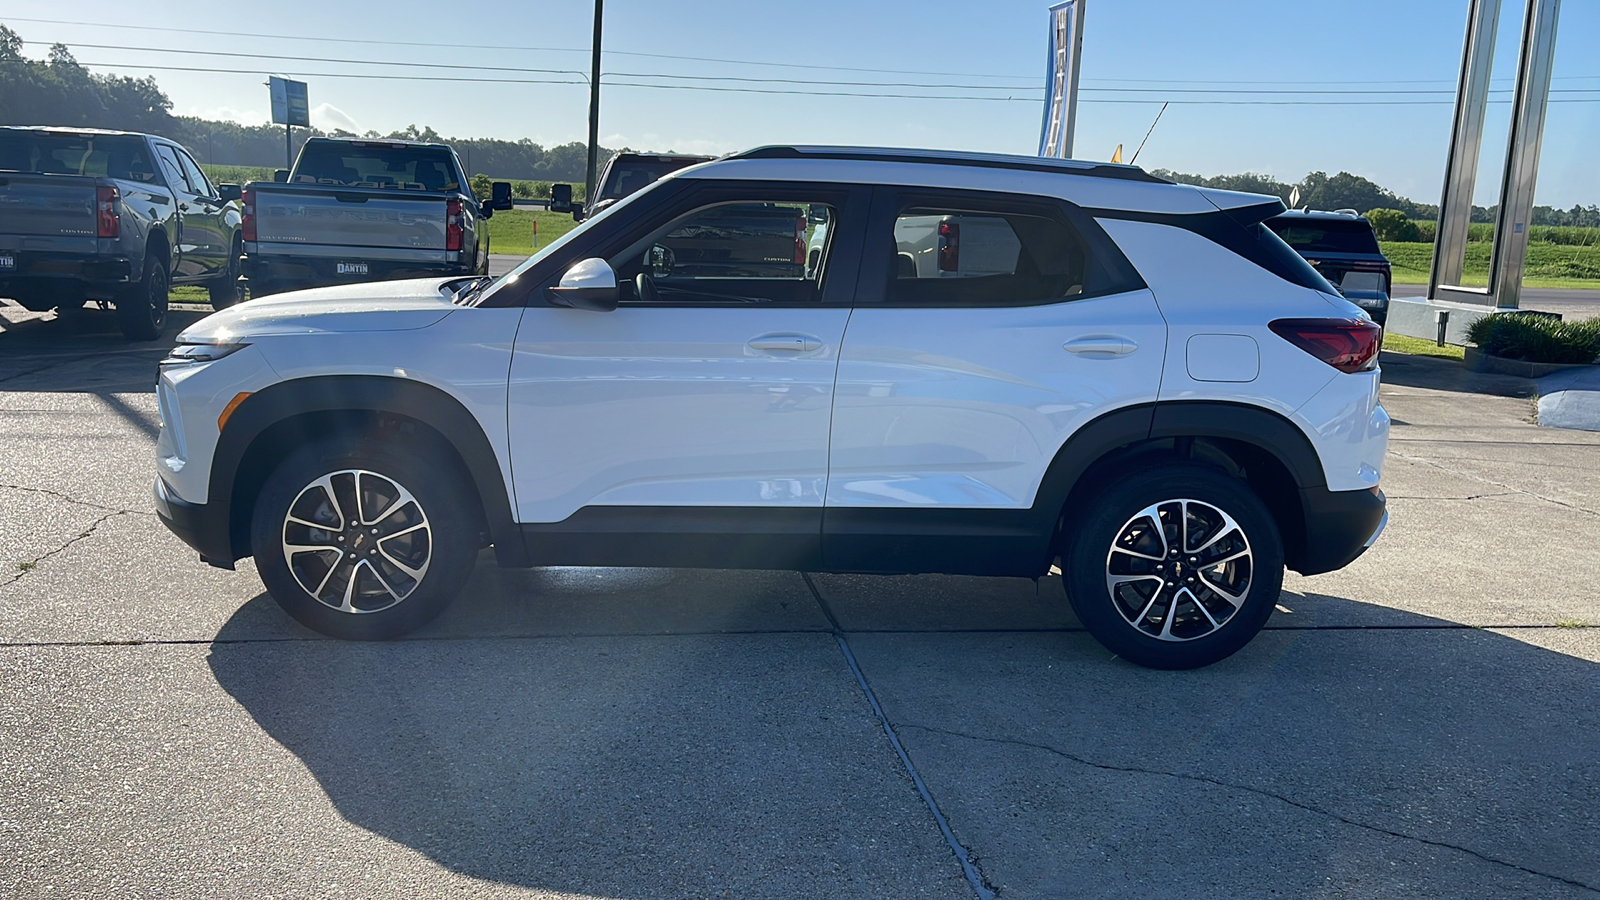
point(1572, 304)
point(1420, 724)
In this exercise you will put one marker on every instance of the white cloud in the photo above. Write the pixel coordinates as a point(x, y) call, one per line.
point(230, 114)
point(327, 117)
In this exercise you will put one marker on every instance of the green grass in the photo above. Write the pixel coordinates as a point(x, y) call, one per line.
point(1419, 347)
point(237, 174)
point(1548, 266)
point(511, 230)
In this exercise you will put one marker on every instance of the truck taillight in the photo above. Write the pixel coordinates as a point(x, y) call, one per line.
point(453, 232)
point(108, 222)
point(949, 247)
point(1349, 345)
point(800, 240)
point(247, 218)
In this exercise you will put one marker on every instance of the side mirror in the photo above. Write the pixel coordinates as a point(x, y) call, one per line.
point(561, 198)
point(500, 195)
point(817, 214)
point(661, 261)
point(589, 284)
point(229, 192)
point(280, 176)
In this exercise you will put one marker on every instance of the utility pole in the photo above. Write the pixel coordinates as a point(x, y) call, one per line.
point(594, 107)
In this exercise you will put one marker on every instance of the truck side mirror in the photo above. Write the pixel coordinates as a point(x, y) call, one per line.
point(500, 195)
point(280, 176)
point(229, 192)
point(561, 198)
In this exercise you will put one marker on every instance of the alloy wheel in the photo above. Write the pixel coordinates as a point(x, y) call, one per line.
point(1179, 570)
point(357, 541)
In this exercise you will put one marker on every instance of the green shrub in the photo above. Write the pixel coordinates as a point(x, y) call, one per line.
point(1392, 225)
point(481, 186)
point(1534, 338)
point(1426, 229)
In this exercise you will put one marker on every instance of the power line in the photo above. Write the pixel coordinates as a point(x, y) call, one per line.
point(683, 87)
point(796, 81)
point(742, 62)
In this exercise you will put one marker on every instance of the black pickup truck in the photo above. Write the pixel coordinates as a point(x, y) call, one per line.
point(112, 217)
point(624, 174)
point(365, 210)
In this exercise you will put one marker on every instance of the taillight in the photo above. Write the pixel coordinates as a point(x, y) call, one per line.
point(800, 240)
point(453, 231)
point(1349, 345)
point(949, 247)
point(247, 218)
point(108, 222)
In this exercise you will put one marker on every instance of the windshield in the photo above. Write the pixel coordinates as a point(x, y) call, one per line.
point(512, 276)
point(373, 165)
point(1325, 235)
point(118, 156)
point(627, 176)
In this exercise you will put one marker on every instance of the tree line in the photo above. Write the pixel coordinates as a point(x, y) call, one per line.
point(60, 91)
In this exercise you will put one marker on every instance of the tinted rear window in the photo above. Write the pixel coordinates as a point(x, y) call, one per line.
point(1325, 235)
point(101, 156)
point(377, 166)
point(628, 176)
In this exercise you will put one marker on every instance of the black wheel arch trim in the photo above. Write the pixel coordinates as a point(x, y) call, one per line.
point(365, 394)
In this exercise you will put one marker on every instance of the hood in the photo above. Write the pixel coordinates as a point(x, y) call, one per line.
point(374, 306)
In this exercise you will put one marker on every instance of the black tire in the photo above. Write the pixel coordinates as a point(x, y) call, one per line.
point(142, 308)
point(227, 290)
point(434, 532)
point(1207, 627)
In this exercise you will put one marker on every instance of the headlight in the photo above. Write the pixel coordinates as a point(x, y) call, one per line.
point(198, 353)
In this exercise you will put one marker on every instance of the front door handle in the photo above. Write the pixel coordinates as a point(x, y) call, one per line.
point(1100, 345)
point(793, 343)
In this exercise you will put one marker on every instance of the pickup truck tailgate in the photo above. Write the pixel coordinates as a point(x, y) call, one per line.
point(323, 219)
point(47, 206)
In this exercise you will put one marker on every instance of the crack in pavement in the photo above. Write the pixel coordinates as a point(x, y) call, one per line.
point(71, 499)
point(1512, 488)
point(27, 566)
point(1472, 497)
point(1136, 770)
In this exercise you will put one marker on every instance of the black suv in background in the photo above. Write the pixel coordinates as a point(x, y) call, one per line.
point(1343, 248)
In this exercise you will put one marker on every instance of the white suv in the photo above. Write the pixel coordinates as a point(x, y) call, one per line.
point(1152, 390)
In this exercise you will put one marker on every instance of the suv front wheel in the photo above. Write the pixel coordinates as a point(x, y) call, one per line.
point(361, 541)
point(1174, 567)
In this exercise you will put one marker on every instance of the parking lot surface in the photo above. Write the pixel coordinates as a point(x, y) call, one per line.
point(1423, 723)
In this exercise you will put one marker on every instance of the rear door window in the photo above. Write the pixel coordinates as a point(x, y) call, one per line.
point(375, 165)
point(176, 178)
point(973, 256)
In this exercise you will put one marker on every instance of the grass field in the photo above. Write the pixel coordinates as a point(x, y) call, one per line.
point(1549, 265)
point(1419, 347)
point(511, 230)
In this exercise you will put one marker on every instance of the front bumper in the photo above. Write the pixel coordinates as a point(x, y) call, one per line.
point(1339, 526)
point(203, 526)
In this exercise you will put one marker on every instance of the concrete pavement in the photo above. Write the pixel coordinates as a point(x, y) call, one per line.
point(1420, 724)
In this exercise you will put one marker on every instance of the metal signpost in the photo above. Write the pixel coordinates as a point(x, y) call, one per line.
point(1061, 79)
point(1451, 307)
point(289, 106)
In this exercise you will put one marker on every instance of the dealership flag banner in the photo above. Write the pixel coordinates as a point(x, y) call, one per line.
point(1061, 79)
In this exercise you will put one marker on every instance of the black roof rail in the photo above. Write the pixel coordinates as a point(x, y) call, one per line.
point(955, 158)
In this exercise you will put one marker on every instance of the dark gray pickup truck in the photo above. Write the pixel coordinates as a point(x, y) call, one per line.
point(112, 217)
point(365, 210)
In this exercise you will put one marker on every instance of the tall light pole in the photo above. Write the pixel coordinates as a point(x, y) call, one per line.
point(594, 107)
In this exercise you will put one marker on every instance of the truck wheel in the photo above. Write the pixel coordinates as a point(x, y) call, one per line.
point(142, 308)
point(1176, 566)
point(227, 290)
point(363, 540)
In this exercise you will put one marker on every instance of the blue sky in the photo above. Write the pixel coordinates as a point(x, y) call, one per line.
point(1150, 50)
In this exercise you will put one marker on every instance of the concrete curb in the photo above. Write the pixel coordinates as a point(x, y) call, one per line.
point(1571, 399)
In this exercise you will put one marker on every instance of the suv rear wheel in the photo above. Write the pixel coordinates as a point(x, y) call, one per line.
point(1174, 567)
point(362, 541)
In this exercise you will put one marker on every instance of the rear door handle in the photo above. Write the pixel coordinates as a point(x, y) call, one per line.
point(793, 343)
point(1101, 345)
